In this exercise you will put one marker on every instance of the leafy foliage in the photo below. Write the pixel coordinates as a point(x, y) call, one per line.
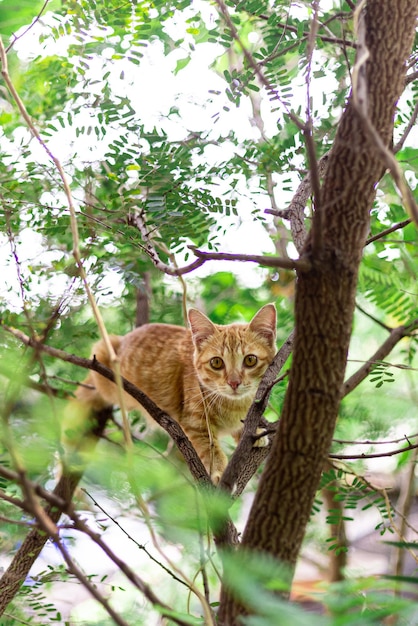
point(81, 71)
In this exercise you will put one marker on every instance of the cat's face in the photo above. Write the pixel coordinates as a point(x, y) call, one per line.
point(231, 360)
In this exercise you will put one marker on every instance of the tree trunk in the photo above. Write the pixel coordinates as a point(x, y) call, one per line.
point(325, 298)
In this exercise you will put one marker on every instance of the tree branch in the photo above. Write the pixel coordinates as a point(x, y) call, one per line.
point(302, 265)
point(247, 458)
point(375, 455)
point(138, 220)
point(31, 25)
point(399, 145)
point(387, 346)
point(388, 231)
point(254, 65)
point(295, 212)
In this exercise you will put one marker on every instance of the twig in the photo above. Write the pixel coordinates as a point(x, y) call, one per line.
point(406, 498)
point(388, 231)
point(375, 455)
point(45, 523)
point(139, 221)
point(398, 531)
point(326, 38)
point(31, 25)
point(253, 64)
point(148, 592)
point(16, 522)
point(295, 212)
point(410, 78)
point(398, 146)
point(373, 318)
point(139, 545)
point(395, 336)
point(302, 265)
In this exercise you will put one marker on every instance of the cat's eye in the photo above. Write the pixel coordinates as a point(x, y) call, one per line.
point(216, 363)
point(250, 360)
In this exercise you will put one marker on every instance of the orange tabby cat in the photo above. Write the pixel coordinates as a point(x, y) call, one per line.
point(204, 377)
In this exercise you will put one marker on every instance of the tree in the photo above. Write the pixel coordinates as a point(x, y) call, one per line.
point(136, 203)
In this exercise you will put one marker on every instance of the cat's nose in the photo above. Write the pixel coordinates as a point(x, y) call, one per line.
point(234, 383)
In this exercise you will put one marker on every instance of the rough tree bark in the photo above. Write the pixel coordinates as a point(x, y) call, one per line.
point(325, 299)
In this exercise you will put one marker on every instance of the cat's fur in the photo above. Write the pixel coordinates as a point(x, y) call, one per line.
point(200, 376)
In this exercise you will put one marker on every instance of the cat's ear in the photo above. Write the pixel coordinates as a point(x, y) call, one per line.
point(264, 323)
point(201, 326)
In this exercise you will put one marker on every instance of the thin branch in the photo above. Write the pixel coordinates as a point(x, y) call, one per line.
point(369, 442)
point(254, 65)
point(139, 545)
point(373, 318)
point(326, 38)
point(388, 231)
point(49, 527)
point(31, 25)
point(10, 499)
point(80, 524)
point(398, 146)
point(51, 530)
point(84, 580)
point(295, 212)
point(410, 78)
point(9, 520)
point(387, 346)
point(405, 501)
point(317, 224)
point(376, 455)
point(393, 166)
point(303, 265)
point(138, 220)
point(398, 531)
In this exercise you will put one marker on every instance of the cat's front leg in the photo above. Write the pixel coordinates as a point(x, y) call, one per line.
point(209, 451)
point(261, 439)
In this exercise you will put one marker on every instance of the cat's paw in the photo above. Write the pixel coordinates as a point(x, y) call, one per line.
point(261, 442)
point(216, 477)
